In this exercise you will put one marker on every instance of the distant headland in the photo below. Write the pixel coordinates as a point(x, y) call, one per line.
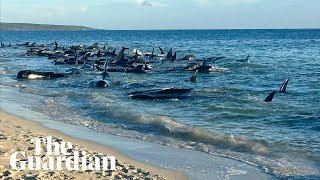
point(40, 27)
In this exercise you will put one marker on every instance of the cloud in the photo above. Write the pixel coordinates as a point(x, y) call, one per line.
point(201, 2)
point(146, 3)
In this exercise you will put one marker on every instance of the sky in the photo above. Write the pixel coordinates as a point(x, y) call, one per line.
point(166, 14)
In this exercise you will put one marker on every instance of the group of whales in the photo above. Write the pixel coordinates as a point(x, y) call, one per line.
point(107, 60)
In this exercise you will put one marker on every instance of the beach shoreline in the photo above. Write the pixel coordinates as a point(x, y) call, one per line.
point(166, 161)
point(15, 129)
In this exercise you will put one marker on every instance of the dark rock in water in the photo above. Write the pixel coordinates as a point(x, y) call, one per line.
point(28, 74)
point(165, 93)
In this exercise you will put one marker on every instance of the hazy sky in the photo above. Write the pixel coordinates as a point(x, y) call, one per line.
point(166, 14)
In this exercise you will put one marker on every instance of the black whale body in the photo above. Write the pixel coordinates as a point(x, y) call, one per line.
point(25, 74)
point(165, 93)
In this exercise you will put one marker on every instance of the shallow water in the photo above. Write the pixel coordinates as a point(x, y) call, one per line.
point(224, 114)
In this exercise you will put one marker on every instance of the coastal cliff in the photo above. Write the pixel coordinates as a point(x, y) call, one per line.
point(40, 27)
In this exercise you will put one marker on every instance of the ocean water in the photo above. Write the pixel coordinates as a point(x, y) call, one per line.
point(225, 113)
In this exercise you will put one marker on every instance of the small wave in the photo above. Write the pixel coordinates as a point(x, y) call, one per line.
point(246, 65)
point(171, 128)
point(9, 84)
point(3, 71)
point(137, 85)
point(218, 69)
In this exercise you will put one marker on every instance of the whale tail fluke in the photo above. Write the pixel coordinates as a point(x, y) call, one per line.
point(283, 88)
point(270, 97)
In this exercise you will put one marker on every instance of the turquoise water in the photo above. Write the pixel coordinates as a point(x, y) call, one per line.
point(223, 115)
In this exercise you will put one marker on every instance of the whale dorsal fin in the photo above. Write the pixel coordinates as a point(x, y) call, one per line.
point(204, 63)
point(194, 76)
point(106, 46)
point(104, 75)
point(270, 97)
point(283, 88)
point(169, 55)
point(247, 58)
point(136, 55)
point(161, 50)
point(174, 57)
point(151, 57)
point(120, 56)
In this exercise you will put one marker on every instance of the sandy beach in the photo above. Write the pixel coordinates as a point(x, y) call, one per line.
point(16, 134)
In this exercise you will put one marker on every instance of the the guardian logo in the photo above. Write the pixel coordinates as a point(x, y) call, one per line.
point(55, 156)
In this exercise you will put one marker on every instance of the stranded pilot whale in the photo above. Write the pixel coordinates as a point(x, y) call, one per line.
point(28, 74)
point(102, 83)
point(164, 93)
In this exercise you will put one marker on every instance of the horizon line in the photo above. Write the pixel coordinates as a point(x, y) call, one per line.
point(170, 29)
point(303, 28)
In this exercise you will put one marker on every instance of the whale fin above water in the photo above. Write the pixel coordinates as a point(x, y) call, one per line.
point(270, 97)
point(119, 59)
point(106, 46)
point(146, 67)
point(56, 45)
point(246, 59)
point(169, 55)
point(161, 50)
point(151, 56)
point(204, 63)
point(194, 76)
point(174, 57)
point(105, 75)
point(283, 88)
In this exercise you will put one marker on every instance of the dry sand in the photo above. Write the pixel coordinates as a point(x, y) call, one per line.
point(16, 134)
